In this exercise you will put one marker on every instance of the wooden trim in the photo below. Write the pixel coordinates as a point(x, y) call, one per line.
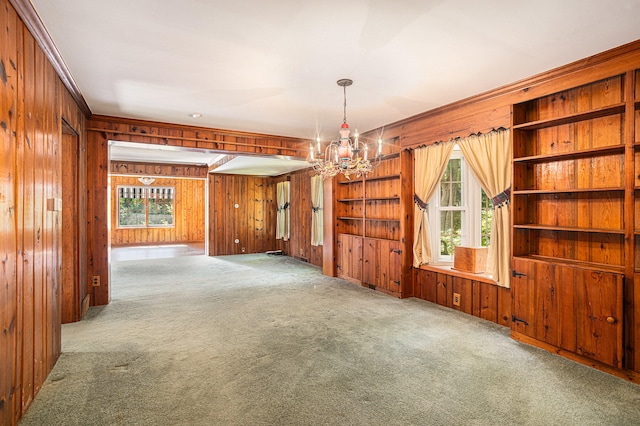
point(629, 375)
point(184, 127)
point(34, 24)
point(159, 176)
point(149, 135)
point(446, 269)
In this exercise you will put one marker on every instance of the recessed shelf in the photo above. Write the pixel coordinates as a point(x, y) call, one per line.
point(570, 262)
point(566, 191)
point(569, 229)
point(572, 118)
point(349, 218)
point(561, 156)
point(381, 220)
point(351, 200)
point(369, 179)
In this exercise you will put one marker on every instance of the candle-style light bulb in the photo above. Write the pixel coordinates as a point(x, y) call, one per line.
point(311, 152)
point(318, 142)
point(366, 152)
point(379, 146)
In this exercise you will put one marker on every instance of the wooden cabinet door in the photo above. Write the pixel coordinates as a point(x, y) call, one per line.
point(394, 254)
point(369, 251)
point(599, 316)
point(523, 296)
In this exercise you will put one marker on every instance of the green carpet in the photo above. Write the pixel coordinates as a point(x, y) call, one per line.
point(268, 340)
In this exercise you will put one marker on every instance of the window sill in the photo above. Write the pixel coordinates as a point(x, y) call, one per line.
point(448, 269)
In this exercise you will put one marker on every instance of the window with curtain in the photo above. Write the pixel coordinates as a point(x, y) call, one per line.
point(283, 212)
point(145, 206)
point(461, 210)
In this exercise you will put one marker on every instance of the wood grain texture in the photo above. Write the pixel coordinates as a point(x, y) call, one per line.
point(155, 169)
point(33, 104)
point(299, 244)
point(189, 214)
point(242, 209)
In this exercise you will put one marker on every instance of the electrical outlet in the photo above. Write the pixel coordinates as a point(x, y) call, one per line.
point(456, 299)
point(96, 281)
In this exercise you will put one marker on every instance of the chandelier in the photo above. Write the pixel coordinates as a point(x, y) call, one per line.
point(347, 156)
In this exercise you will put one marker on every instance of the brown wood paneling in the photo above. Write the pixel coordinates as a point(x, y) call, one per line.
point(155, 169)
point(130, 130)
point(299, 244)
point(238, 210)
point(32, 103)
point(189, 214)
point(10, 288)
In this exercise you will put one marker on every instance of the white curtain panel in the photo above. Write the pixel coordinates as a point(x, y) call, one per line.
point(317, 219)
point(489, 157)
point(430, 164)
point(283, 214)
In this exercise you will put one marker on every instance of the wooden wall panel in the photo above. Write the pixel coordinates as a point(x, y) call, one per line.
point(33, 103)
point(299, 245)
point(189, 211)
point(252, 223)
point(155, 169)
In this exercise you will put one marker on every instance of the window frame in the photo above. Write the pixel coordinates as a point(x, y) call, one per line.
point(146, 196)
point(471, 230)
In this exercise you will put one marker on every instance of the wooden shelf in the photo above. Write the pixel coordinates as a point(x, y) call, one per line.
point(349, 218)
point(374, 178)
point(577, 263)
point(381, 220)
point(569, 229)
point(561, 156)
point(572, 118)
point(566, 191)
point(351, 200)
point(382, 239)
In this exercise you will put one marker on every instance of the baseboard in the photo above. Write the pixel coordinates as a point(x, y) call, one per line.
point(625, 374)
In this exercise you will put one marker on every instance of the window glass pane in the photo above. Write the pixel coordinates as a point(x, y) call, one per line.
point(451, 184)
point(450, 231)
point(160, 212)
point(486, 216)
point(131, 212)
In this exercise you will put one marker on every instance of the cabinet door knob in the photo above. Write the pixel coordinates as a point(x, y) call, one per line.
point(611, 320)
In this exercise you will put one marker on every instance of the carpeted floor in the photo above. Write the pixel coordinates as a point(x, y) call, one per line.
point(268, 340)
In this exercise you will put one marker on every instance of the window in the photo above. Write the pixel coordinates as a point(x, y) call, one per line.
point(460, 212)
point(145, 206)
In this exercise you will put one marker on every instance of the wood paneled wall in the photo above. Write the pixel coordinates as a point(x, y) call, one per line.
point(189, 210)
point(33, 103)
point(242, 214)
point(299, 243)
point(102, 129)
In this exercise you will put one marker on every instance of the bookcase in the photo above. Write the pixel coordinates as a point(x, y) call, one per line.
point(571, 198)
point(372, 223)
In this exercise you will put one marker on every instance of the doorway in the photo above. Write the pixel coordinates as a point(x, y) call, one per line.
point(75, 294)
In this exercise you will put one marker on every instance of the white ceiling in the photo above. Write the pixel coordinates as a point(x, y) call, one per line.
point(245, 165)
point(272, 66)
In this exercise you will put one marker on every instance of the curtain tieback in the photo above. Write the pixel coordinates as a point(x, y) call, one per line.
point(315, 209)
point(502, 198)
point(286, 205)
point(421, 204)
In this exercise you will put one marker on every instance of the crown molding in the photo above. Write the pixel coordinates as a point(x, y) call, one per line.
point(34, 24)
